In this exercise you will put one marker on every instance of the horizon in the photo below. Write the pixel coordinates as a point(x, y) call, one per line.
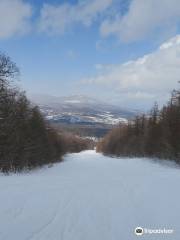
point(46, 99)
point(126, 53)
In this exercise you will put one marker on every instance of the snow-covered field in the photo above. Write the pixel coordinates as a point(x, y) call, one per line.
point(91, 197)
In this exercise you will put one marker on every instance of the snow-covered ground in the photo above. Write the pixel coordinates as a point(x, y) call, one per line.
point(91, 197)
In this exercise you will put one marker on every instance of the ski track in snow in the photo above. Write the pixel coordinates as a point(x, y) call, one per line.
point(91, 197)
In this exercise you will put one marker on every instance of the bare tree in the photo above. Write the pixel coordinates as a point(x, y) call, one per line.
point(8, 70)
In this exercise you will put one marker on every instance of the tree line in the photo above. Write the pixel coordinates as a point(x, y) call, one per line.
point(156, 134)
point(26, 140)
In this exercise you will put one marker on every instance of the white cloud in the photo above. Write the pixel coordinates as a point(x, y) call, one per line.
point(144, 18)
point(149, 78)
point(14, 16)
point(56, 19)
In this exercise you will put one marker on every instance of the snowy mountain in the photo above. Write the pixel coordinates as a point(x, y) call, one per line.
point(79, 109)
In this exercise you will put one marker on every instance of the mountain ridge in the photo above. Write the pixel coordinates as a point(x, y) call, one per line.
point(80, 109)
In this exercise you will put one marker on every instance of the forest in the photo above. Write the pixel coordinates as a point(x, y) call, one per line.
point(26, 139)
point(156, 134)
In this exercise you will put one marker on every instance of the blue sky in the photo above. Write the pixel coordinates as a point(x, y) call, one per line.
point(109, 49)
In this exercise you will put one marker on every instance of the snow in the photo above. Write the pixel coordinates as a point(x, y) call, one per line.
point(78, 117)
point(91, 197)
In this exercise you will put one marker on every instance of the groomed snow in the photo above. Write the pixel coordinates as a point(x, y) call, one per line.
point(91, 197)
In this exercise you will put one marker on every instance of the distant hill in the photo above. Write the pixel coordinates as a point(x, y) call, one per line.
point(80, 110)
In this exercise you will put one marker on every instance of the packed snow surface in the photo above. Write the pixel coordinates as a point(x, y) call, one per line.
point(91, 197)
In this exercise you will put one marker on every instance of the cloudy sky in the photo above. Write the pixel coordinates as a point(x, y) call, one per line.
point(126, 52)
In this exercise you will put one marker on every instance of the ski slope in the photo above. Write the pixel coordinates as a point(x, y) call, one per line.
point(91, 197)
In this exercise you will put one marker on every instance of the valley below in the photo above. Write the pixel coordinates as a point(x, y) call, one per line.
point(82, 115)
